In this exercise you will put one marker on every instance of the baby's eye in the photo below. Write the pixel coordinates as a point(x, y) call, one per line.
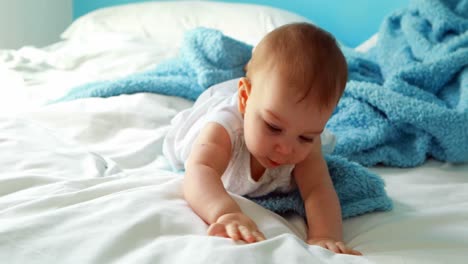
point(273, 128)
point(306, 139)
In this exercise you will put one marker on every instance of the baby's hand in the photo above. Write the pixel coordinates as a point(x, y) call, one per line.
point(237, 226)
point(335, 246)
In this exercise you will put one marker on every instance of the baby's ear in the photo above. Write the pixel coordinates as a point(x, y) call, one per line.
point(243, 94)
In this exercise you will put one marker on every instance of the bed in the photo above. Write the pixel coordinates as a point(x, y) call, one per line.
point(83, 179)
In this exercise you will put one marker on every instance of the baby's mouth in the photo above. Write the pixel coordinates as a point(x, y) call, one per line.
point(273, 163)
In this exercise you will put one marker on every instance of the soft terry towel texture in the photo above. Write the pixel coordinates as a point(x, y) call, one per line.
point(408, 98)
point(359, 191)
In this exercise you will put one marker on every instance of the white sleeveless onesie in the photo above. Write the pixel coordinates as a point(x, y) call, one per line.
point(219, 104)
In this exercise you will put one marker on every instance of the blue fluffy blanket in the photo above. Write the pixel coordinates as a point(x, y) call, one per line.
point(406, 99)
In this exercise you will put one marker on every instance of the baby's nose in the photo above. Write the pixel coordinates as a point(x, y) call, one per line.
point(284, 148)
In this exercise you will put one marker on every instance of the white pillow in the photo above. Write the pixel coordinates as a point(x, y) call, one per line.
point(167, 21)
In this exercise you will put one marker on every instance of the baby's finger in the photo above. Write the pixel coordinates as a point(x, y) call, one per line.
point(353, 252)
point(246, 234)
point(217, 230)
point(258, 235)
point(332, 246)
point(342, 247)
point(233, 231)
point(347, 250)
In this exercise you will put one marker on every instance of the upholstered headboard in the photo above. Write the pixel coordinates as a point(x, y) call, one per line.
point(351, 22)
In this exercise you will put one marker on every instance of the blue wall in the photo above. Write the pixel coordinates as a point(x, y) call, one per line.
point(351, 22)
point(81, 7)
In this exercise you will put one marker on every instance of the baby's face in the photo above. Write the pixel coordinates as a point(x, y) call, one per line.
point(278, 129)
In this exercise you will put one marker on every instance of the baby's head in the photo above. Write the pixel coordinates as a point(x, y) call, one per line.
point(294, 80)
point(306, 58)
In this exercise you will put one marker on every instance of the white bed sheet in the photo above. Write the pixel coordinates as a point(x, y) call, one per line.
point(84, 182)
point(31, 76)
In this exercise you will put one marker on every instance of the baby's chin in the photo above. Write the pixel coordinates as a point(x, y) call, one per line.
point(271, 164)
point(268, 163)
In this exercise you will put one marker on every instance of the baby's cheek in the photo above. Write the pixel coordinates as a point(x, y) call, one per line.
point(263, 143)
point(256, 143)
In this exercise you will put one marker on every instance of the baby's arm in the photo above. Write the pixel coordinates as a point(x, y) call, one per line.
point(321, 203)
point(204, 190)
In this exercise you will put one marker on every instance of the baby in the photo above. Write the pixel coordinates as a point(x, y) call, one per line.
point(265, 133)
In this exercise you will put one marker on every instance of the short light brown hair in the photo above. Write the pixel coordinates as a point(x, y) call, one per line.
point(307, 56)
